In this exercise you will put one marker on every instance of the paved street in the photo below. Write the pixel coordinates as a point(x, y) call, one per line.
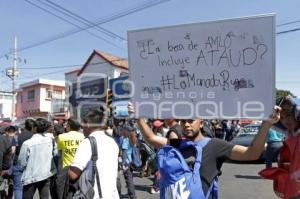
point(242, 181)
point(237, 181)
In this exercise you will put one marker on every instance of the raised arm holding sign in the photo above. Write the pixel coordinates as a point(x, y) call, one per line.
point(207, 70)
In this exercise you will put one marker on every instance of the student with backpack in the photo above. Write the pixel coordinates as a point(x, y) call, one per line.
point(189, 168)
point(106, 165)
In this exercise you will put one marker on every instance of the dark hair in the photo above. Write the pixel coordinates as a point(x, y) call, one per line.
point(94, 118)
point(290, 105)
point(128, 128)
point(29, 124)
point(11, 128)
point(42, 125)
point(74, 124)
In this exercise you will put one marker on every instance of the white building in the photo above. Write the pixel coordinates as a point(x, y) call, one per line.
point(5, 104)
point(99, 65)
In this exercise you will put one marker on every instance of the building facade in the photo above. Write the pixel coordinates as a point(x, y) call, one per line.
point(92, 79)
point(41, 98)
point(5, 105)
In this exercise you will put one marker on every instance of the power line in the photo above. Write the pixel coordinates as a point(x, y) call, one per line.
point(42, 74)
point(84, 20)
point(58, 71)
point(70, 65)
point(99, 22)
point(47, 67)
point(39, 75)
point(288, 31)
point(81, 28)
point(289, 82)
point(78, 18)
point(288, 23)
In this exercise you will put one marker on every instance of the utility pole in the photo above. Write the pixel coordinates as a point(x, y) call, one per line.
point(12, 73)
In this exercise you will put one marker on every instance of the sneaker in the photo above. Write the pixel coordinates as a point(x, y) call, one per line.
point(154, 191)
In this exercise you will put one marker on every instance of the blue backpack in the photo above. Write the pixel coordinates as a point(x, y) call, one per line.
point(178, 180)
point(136, 158)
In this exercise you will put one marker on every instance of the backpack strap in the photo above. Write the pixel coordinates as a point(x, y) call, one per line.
point(199, 147)
point(94, 160)
point(55, 157)
point(213, 189)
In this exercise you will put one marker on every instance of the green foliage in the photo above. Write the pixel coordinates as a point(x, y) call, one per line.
point(282, 93)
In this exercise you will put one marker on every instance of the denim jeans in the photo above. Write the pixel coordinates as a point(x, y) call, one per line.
point(129, 182)
point(272, 152)
point(18, 188)
point(42, 186)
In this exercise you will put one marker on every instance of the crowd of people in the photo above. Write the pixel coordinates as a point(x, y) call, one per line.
point(50, 156)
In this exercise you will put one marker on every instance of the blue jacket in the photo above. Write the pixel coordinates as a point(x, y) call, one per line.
point(127, 152)
point(36, 159)
point(274, 136)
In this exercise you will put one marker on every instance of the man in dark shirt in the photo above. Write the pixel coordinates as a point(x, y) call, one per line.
point(5, 151)
point(5, 159)
point(15, 171)
point(26, 134)
point(216, 151)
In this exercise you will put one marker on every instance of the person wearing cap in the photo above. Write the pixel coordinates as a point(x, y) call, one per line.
point(158, 127)
point(129, 140)
point(158, 130)
point(67, 143)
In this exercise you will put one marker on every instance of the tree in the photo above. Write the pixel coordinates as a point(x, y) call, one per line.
point(282, 93)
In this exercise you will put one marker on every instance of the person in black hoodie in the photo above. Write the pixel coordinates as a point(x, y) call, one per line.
point(15, 170)
point(5, 159)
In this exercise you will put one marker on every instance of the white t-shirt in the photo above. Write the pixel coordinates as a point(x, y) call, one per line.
point(107, 163)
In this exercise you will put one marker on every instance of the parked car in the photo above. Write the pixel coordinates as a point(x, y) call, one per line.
point(246, 135)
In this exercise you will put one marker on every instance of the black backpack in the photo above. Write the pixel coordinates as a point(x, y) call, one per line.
point(83, 188)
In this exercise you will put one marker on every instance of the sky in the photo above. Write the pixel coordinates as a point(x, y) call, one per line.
point(47, 49)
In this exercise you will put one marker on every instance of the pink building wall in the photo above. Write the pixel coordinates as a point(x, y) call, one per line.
point(40, 106)
point(25, 106)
